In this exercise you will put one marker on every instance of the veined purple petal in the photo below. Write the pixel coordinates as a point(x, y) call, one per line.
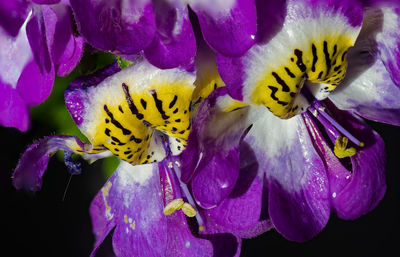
point(130, 201)
point(368, 91)
point(228, 26)
point(357, 191)
point(123, 27)
point(298, 201)
point(12, 15)
point(174, 43)
point(13, 110)
point(66, 49)
point(33, 163)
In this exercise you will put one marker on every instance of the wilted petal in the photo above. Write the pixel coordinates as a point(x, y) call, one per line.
point(128, 111)
point(174, 43)
point(13, 110)
point(66, 49)
point(228, 26)
point(298, 201)
point(33, 163)
point(12, 15)
point(130, 201)
point(123, 27)
point(357, 190)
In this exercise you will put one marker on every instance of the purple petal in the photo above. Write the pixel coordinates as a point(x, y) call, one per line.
point(13, 110)
point(357, 191)
point(33, 163)
point(12, 15)
point(239, 213)
point(33, 86)
point(65, 48)
point(299, 205)
point(368, 91)
point(213, 149)
point(46, 1)
point(180, 240)
point(41, 72)
point(215, 177)
point(174, 43)
point(123, 27)
point(229, 27)
point(384, 16)
point(130, 201)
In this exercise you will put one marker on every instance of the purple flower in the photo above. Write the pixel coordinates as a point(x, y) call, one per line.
point(37, 42)
point(162, 29)
point(142, 115)
point(305, 157)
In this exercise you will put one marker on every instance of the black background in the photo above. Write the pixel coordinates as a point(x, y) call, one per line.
point(42, 224)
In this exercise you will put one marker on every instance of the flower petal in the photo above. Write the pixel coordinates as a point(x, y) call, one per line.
point(240, 212)
point(15, 53)
point(299, 205)
point(46, 1)
point(42, 71)
point(13, 110)
point(130, 201)
point(384, 16)
point(180, 240)
point(123, 27)
point(128, 111)
point(357, 191)
point(174, 44)
point(12, 15)
point(33, 86)
point(229, 27)
point(214, 142)
point(65, 48)
point(311, 42)
point(33, 163)
point(368, 91)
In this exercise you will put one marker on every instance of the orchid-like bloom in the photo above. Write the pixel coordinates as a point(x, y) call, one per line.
point(162, 29)
point(37, 42)
point(307, 151)
point(142, 115)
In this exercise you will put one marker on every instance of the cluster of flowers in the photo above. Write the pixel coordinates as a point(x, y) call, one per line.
point(235, 117)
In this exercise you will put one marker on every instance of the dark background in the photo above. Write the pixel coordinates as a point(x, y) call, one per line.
point(42, 224)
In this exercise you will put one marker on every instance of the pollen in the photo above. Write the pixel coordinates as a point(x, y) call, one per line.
point(179, 204)
point(173, 206)
point(341, 148)
point(188, 210)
